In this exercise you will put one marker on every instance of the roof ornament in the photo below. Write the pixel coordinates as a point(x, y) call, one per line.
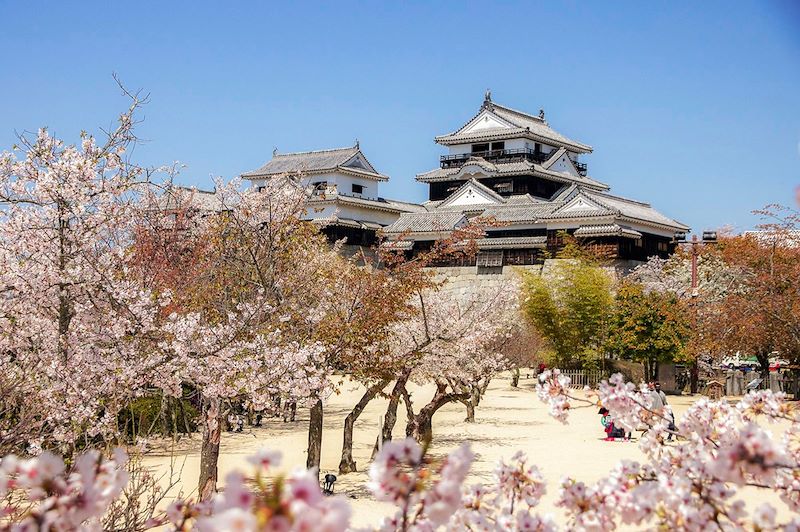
point(357, 144)
point(274, 151)
point(487, 99)
point(541, 114)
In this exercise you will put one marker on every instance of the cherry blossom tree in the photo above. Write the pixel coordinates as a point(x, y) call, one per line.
point(247, 328)
point(452, 341)
point(79, 331)
point(693, 484)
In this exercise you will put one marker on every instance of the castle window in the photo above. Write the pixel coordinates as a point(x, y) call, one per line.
point(498, 146)
point(504, 187)
point(478, 148)
point(358, 189)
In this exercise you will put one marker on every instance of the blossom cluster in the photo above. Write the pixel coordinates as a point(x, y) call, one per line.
point(693, 483)
point(687, 486)
point(55, 499)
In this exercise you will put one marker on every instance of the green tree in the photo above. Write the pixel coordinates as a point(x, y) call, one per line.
point(571, 309)
point(648, 327)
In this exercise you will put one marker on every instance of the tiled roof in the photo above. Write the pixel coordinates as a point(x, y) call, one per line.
point(347, 222)
point(512, 242)
point(428, 222)
point(493, 196)
point(508, 169)
point(379, 203)
point(522, 125)
point(605, 214)
point(554, 157)
point(635, 209)
point(316, 162)
point(191, 198)
point(520, 214)
point(399, 245)
point(606, 230)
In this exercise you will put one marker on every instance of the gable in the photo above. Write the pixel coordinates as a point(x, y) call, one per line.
point(564, 164)
point(471, 193)
point(471, 170)
point(580, 204)
point(360, 162)
point(485, 120)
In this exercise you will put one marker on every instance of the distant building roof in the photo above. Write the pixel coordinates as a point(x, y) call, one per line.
point(606, 230)
point(190, 198)
point(347, 160)
point(512, 242)
point(427, 222)
point(512, 124)
point(369, 203)
point(594, 213)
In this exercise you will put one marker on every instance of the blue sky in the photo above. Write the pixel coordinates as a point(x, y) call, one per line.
point(694, 107)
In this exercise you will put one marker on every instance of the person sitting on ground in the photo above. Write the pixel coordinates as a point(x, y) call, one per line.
point(607, 422)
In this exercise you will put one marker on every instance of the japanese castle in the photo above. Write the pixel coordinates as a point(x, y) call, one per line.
point(502, 164)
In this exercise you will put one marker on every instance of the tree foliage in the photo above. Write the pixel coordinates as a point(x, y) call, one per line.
point(647, 327)
point(570, 309)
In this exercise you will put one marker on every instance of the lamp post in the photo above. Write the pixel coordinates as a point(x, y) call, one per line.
point(709, 237)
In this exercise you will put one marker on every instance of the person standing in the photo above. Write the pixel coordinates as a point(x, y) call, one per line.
point(661, 393)
point(656, 401)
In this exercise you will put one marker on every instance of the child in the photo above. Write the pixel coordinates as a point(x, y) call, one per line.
point(607, 422)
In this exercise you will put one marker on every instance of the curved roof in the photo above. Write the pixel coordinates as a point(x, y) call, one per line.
point(348, 160)
point(491, 169)
point(511, 124)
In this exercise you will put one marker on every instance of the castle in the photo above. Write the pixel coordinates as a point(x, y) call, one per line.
point(503, 164)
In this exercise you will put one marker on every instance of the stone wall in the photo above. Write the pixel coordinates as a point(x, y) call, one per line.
point(464, 277)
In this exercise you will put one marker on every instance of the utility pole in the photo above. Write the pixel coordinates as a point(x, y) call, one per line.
point(709, 237)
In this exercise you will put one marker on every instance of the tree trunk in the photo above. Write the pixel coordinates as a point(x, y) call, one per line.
point(694, 376)
point(474, 399)
point(209, 452)
point(470, 411)
point(390, 418)
point(763, 360)
point(347, 464)
point(420, 427)
point(315, 437)
point(515, 378)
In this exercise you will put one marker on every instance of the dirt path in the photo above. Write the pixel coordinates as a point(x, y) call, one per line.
point(508, 419)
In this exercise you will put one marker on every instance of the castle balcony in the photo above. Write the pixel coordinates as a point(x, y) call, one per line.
point(502, 156)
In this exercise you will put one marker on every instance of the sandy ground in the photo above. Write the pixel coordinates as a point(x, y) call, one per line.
point(507, 419)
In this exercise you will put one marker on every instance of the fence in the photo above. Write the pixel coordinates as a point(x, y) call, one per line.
point(580, 377)
point(736, 382)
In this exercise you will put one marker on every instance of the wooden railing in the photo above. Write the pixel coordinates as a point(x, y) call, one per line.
point(582, 377)
point(458, 159)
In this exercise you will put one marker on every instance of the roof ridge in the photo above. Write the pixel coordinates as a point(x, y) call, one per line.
point(192, 188)
point(522, 113)
point(554, 157)
point(278, 154)
point(623, 198)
